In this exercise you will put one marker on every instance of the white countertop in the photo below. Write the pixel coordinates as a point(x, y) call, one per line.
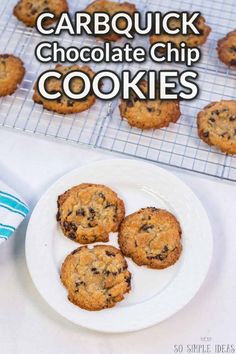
point(29, 325)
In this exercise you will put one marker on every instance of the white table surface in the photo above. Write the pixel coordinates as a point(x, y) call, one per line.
point(29, 325)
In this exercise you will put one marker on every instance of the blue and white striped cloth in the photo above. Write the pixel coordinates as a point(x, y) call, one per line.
point(12, 211)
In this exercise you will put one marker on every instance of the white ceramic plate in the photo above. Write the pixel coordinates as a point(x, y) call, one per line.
point(155, 294)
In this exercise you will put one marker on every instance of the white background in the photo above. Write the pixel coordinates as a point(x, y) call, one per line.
point(29, 325)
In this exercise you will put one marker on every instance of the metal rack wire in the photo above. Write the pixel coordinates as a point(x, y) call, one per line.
point(101, 126)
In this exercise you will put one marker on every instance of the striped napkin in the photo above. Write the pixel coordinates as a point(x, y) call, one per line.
point(12, 211)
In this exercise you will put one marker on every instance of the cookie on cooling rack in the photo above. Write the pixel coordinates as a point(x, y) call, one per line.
point(226, 48)
point(63, 104)
point(151, 237)
point(149, 114)
point(96, 278)
point(217, 125)
point(27, 11)
point(89, 212)
point(12, 72)
point(191, 39)
point(111, 7)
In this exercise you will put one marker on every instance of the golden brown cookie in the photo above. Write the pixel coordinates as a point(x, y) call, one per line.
point(12, 72)
point(89, 212)
point(217, 125)
point(151, 237)
point(96, 278)
point(63, 104)
point(226, 48)
point(191, 39)
point(27, 11)
point(111, 7)
point(149, 114)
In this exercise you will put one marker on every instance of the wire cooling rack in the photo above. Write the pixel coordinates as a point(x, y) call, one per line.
point(101, 126)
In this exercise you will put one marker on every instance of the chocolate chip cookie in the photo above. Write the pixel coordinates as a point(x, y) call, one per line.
point(217, 125)
point(191, 39)
point(149, 114)
point(96, 278)
point(151, 237)
point(111, 7)
point(63, 104)
point(27, 11)
point(12, 72)
point(226, 48)
point(89, 212)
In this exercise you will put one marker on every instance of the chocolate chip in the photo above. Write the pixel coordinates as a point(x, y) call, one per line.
point(233, 62)
point(224, 134)
point(74, 227)
point(58, 216)
point(165, 249)
point(159, 256)
point(79, 282)
point(212, 120)
point(70, 103)
point(110, 254)
point(150, 109)
point(108, 205)
point(101, 195)
point(72, 235)
point(94, 270)
point(33, 11)
point(91, 215)
point(107, 272)
point(233, 48)
point(4, 56)
point(69, 213)
point(80, 212)
point(128, 281)
point(205, 134)
point(146, 227)
point(66, 225)
point(92, 211)
point(232, 118)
